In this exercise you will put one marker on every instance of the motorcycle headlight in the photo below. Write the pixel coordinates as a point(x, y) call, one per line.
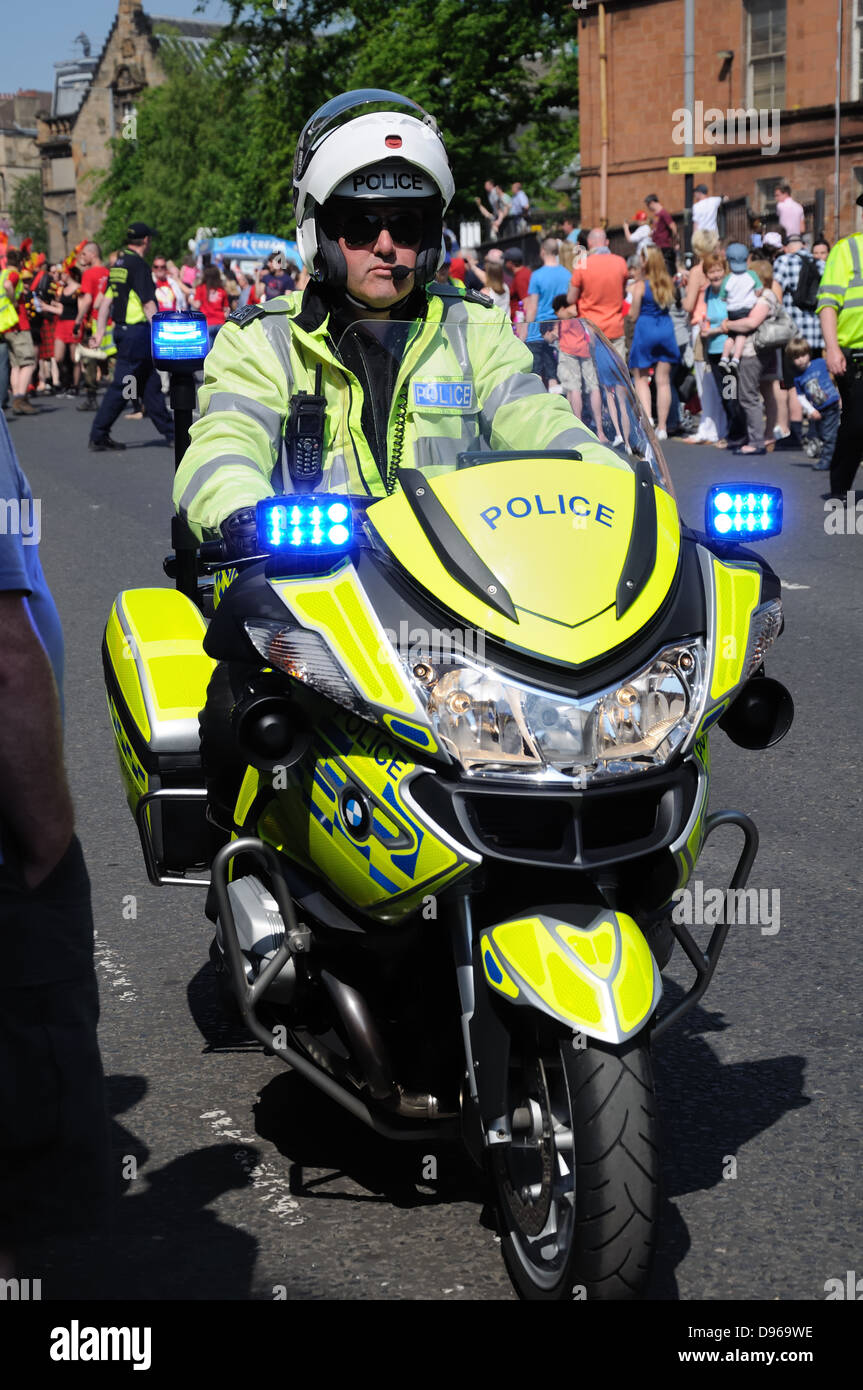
point(306, 657)
point(495, 726)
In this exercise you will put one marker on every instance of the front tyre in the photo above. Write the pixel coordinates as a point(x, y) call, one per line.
point(578, 1188)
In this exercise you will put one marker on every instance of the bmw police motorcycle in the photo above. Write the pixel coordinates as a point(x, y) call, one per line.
point(471, 713)
point(475, 717)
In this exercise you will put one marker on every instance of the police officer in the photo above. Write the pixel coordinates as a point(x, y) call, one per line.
point(370, 190)
point(131, 300)
point(840, 307)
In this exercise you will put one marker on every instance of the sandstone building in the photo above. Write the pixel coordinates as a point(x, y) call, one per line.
point(19, 155)
point(73, 143)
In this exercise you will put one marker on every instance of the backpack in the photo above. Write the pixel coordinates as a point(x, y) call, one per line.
point(805, 295)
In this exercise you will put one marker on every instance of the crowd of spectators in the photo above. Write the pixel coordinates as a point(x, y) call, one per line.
point(713, 340)
point(46, 338)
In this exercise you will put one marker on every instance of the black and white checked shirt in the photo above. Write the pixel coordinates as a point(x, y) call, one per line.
point(786, 272)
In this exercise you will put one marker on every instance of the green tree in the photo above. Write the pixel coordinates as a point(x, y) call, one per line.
point(184, 166)
point(27, 212)
point(496, 74)
point(214, 144)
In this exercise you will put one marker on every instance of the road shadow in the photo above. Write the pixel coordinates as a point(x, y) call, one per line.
point(708, 1111)
point(162, 1242)
point(326, 1147)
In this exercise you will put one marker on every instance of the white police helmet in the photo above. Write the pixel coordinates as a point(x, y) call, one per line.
point(389, 155)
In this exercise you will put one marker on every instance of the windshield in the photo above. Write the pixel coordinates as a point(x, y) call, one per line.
point(442, 397)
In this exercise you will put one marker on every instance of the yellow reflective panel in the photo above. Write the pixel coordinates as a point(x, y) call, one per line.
point(519, 942)
point(633, 984)
point(573, 995)
point(595, 946)
point(248, 792)
point(737, 592)
point(336, 606)
point(557, 543)
point(166, 635)
point(534, 954)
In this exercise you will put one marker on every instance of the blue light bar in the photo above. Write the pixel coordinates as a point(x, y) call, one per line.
point(743, 512)
point(178, 336)
point(306, 524)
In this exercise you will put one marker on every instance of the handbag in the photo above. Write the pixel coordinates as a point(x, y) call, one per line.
point(776, 331)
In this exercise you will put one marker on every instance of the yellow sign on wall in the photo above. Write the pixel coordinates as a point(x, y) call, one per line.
point(696, 164)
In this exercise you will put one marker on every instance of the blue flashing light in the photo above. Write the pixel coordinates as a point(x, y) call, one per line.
point(735, 511)
point(304, 525)
point(178, 336)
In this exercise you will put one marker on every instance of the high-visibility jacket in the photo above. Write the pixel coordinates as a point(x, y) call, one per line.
point(841, 289)
point(8, 300)
point(476, 388)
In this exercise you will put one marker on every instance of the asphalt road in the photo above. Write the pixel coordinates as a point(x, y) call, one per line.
point(238, 1181)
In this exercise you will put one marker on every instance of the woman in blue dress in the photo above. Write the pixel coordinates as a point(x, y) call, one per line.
point(653, 342)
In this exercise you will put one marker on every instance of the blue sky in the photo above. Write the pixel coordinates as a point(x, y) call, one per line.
point(35, 36)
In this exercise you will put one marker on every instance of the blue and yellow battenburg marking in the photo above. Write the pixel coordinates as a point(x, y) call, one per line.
point(599, 977)
point(409, 732)
point(344, 811)
point(222, 581)
point(132, 770)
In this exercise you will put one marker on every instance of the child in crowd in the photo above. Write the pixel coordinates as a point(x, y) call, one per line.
point(741, 288)
point(575, 369)
point(818, 395)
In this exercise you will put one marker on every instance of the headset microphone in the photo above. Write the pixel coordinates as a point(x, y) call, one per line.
point(401, 272)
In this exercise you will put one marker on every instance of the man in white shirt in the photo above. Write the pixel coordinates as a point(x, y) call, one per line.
point(705, 209)
point(790, 213)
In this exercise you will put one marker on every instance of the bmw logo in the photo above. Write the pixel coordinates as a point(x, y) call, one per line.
point(355, 813)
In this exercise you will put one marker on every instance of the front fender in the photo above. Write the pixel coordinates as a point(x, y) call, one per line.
point(591, 968)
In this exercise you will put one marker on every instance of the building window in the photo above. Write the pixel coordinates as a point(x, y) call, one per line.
point(766, 189)
point(765, 49)
point(857, 46)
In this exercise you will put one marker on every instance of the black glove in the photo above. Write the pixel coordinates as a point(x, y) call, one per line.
point(240, 533)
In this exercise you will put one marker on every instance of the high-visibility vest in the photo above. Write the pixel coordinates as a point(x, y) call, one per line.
point(841, 289)
point(449, 392)
point(8, 300)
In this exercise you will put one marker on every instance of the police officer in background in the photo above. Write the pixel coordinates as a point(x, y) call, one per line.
point(840, 308)
point(131, 300)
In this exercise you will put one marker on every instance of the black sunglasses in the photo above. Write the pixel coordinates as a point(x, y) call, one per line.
point(363, 228)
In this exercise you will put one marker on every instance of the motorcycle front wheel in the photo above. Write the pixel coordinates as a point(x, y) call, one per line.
point(577, 1190)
